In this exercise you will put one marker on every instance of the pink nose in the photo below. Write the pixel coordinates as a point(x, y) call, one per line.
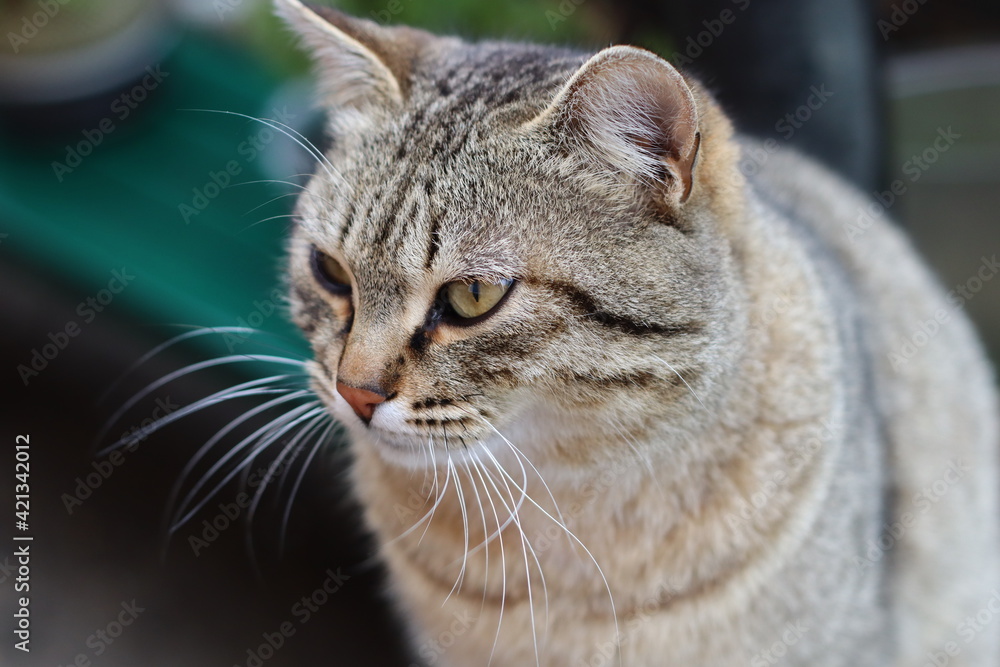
point(361, 400)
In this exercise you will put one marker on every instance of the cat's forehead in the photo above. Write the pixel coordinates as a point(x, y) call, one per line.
point(447, 184)
point(453, 220)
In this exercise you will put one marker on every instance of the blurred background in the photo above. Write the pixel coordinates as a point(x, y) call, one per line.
point(131, 212)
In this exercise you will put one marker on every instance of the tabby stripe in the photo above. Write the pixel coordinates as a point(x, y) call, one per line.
point(348, 221)
point(392, 210)
point(432, 236)
point(586, 303)
point(625, 380)
point(406, 227)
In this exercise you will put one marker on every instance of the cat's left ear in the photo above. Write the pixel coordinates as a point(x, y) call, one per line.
point(359, 62)
point(632, 111)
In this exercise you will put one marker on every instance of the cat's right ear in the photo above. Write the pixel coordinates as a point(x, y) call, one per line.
point(629, 110)
point(359, 63)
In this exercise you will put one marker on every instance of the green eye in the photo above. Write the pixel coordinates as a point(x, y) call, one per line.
point(475, 299)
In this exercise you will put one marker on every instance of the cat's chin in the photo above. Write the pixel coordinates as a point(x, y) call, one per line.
point(413, 451)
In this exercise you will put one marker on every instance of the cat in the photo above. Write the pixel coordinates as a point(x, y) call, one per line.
point(612, 401)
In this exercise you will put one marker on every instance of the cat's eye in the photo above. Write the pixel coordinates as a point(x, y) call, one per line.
point(330, 273)
point(476, 299)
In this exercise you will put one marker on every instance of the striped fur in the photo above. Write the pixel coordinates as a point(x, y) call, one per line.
point(696, 364)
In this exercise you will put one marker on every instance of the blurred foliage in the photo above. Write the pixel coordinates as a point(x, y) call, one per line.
point(583, 23)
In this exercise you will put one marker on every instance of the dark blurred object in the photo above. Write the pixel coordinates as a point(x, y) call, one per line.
point(803, 72)
point(904, 27)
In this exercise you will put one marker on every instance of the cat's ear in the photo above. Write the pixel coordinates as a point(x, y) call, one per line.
point(358, 61)
point(632, 111)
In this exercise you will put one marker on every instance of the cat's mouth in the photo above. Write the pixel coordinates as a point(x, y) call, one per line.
point(415, 440)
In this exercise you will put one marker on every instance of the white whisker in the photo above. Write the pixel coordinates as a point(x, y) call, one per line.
point(287, 452)
point(465, 529)
point(430, 513)
point(288, 131)
point(243, 390)
point(200, 331)
point(524, 544)
point(298, 483)
point(221, 433)
point(600, 570)
point(482, 512)
point(266, 435)
point(503, 557)
point(681, 379)
point(187, 370)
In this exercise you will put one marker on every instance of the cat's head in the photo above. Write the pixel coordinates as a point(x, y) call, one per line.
point(512, 239)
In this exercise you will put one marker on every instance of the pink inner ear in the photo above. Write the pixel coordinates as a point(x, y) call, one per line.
point(638, 112)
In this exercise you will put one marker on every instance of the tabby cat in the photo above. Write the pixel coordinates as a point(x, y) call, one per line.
point(614, 402)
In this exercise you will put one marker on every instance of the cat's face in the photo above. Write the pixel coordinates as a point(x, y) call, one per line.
point(489, 249)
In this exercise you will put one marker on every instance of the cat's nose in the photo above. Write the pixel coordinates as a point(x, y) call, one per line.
point(362, 401)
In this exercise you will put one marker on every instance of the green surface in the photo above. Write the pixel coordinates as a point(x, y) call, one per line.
point(121, 206)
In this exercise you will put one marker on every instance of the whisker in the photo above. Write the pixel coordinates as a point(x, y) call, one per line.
point(503, 556)
point(465, 530)
point(187, 370)
point(200, 331)
point(243, 390)
point(438, 498)
point(482, 513)
point(279, 460)
point(517, 522)
point(221, 433)
point(600, 570)
point(273, 181)
point(291, 216)
point(288, 131)
point(266, 435)
point(429, 514)
point(518, 454)
point(682, 379)
point(298, 483)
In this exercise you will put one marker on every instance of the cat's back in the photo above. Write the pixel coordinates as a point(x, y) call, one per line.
point(936, 401)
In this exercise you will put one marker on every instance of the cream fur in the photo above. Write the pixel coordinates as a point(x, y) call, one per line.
point(721, 429)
